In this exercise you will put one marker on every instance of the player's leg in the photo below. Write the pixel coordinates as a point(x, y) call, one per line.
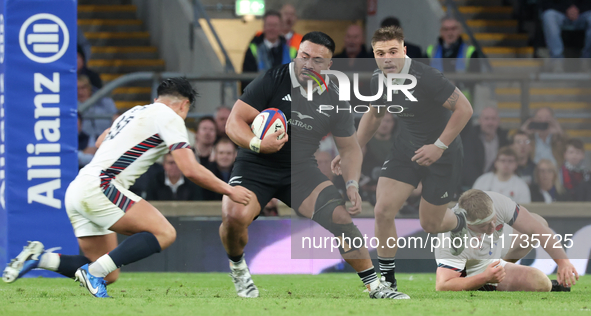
point(524, 278)
point(94, 247)
point(390, 197)
point(325, 206)
point(263, 182)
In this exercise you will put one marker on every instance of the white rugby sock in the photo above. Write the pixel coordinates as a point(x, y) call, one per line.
point(49, 261)
point(103, 266)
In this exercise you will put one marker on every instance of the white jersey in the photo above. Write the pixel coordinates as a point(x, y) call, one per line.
point(135, 141)
point(471, 258)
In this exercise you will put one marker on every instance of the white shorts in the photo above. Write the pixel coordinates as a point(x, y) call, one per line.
point(92, 210)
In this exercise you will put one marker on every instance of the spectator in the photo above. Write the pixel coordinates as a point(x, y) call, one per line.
point(574, 14)
point(451, 54)
point(82, 69)
point(503, 179)
point(171, 185)
point(354, 44)
point(221, 117)
point(271, 209)
point(86, 148)
point(289, 18)
point(481, 146)
point(525, 166)
point(546, 187)
point(268, 49)
point(573, 172)
point(94, 127)
point(412, 50)
point(548, 136)
point(225, 154)
point(205, 135)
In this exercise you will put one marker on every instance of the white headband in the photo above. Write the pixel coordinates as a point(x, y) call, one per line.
point(478, 221)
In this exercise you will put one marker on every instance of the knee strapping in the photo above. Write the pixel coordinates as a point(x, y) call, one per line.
point(328, 200)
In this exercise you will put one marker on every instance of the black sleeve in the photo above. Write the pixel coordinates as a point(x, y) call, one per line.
point(343, 124)
point(258, 93)
point(437, 86)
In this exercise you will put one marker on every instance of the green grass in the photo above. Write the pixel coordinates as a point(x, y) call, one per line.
point(175, 294)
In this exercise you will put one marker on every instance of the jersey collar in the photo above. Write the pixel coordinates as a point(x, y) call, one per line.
point(295, 83)
point(405, 69)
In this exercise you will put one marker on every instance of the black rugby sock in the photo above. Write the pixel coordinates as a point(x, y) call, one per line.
point(387, 266)
point(69, 264)
point(136, 247)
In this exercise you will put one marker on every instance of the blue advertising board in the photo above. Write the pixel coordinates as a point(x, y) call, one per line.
point(38, 124)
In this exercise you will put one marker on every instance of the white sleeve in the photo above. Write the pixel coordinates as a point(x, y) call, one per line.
point(171, 129)
point(505, 208)
point(445, 259)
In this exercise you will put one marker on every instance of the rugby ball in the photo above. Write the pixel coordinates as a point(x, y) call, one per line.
point(268, 122)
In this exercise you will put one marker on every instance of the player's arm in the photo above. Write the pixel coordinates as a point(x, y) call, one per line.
point(238, 129)
point(185, 160)
point(369, 124)
point(462, 112)
point(351, 159)
point(101, 138)
point(450, 280)
point(527, 224)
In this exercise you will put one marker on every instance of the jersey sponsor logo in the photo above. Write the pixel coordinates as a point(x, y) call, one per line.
point(296, 123)
point(44, 38)
point(302, 116)
point(287, 98)
point(234, 180)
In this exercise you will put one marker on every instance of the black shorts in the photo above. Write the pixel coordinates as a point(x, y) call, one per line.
point(264, 181)
point(440, 180)
point(269, 182)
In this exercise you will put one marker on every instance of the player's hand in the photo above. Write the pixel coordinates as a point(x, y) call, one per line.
point(355, 198)
point(427, 155)
point(567, 274)
point(335, 165)
point(240, 195)
point(495, 273)
point(271, 144)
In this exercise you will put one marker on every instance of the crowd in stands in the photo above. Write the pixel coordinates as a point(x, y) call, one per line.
point(536, 163)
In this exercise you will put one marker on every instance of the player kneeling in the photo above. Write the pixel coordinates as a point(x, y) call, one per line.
point(491, 218)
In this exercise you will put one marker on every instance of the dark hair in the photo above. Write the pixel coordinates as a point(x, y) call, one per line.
point(387, 33)
point(224, 140)
point(80, 51)
point(320, 39)
point(178, 87)
point(203, 119)
point(271, 13)
point(576, 143)
point(519, 132)
point(390, 21)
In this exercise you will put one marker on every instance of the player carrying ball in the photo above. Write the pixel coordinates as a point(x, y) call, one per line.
point(99, 203)
point(286, 168)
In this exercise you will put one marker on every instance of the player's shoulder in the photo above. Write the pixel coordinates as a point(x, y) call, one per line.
point(420, 69)
point(278, 73)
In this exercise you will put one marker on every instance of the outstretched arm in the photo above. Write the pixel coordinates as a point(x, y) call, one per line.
point(351, 159)
point(449, 280)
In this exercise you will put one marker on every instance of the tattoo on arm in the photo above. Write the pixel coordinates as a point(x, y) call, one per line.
point(453, 99)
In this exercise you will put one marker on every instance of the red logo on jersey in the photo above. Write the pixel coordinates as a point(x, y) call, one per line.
point(499, 227)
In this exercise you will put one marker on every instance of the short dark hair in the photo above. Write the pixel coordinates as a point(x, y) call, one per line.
point(178, 87)
point(388, 33)
point(224, 140)
point(576, 143)
point(271, 13)
point(390, 21)
point(320, 39)
point(519, 132)
point(203, 119)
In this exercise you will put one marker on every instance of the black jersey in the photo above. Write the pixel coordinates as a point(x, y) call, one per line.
point(310, 123)
point(421, 122)
point(268, 91)
point(277, 88)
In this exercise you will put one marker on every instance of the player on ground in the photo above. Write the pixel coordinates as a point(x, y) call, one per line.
point(99, 203)
point(276, 168)
point(428, 148)
point(491, 218)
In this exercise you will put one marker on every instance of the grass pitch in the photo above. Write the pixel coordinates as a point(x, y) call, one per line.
point(175, 294)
